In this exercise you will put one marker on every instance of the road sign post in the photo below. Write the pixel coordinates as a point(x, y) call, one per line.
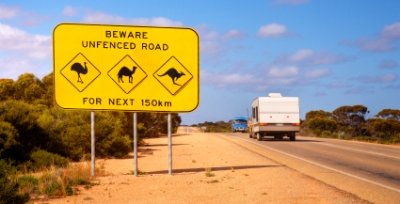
point(169, 145)
point(92, 144)
point(135, 146)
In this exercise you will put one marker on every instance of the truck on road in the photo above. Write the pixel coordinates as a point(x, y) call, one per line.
point(276, 116)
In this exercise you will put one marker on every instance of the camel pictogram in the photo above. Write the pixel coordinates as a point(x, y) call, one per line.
point(125, 71)
point(79, 69)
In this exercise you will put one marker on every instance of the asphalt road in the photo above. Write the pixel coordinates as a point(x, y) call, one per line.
point(372, 163)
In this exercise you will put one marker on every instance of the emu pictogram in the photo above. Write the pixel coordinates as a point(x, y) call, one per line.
point(125, 71)
point(173, 74)
point(79, 69)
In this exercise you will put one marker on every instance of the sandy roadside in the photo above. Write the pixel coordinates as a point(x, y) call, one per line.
point(207, 169)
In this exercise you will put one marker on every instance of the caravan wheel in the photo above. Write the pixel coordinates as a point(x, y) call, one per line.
point(258, 136)
point(292, 136)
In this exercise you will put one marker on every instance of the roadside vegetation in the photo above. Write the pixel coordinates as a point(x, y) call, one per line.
point(349, 122)
point(36, 135)
point(219, 126)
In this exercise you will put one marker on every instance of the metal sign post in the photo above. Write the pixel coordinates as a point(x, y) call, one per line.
point(93, 140)
point(169, 145)
point(135, 146)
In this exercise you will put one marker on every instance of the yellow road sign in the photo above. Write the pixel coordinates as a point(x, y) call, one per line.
point(130, 68)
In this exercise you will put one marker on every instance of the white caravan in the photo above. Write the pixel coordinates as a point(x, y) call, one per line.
point(275, 116)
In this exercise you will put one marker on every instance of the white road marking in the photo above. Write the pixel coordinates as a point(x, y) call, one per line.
point(357, 150)
point(323, 166)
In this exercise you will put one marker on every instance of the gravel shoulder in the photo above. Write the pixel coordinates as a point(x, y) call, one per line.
point(206, 169)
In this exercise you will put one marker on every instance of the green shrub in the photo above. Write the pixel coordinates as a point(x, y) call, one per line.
point(51, 185)
point(320, 125)
point(43, 159)
point(120, 147)
point(395, 139)
point(384, 129)
point(327, 134)
point(56, 182)
point(8, 187)
point(28, 184)
point(8, 135)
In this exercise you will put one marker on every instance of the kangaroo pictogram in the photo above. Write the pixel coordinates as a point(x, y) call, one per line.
point(173, 74)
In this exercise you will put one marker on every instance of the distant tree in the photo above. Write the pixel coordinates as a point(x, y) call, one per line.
point(351, 118)
point(154, 124)
point(218, 126)
point(111, 138)
point(28, 88)
point(175, 122)
point(389, 114)
point(319, 126)
point(318, 114)
point(384, 129)
point(386, 125)
point(8, 137)
point(23, 116)
point(319, 122)
point(48, 86)
point(348, 115)
point(6, 89)
point(68, 132)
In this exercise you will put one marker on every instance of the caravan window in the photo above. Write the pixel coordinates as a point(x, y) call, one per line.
point(256, 110)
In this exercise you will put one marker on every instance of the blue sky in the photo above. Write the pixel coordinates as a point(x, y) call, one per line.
point(328, 53)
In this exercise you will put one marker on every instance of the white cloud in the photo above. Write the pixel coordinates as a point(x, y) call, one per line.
point(22, 52)
point(233, 34)
point(392, 31)
point(69, 11)
point(209, 36)
point(387, 78)
point(213, 43)
point(301, 56)
point(282, 72)
point(210, 41)
point(100, 17)
point(310, 57)
point(374, 45)
point(317, 73)
point(282, 81)
point(356, 91)
point(339, 84)
point(273, 30)
point(384, 42)
point(12, 67)
point(8, 12)
point(227, 79)
point(211, 48)
point(254, 81)
point(14, 39)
